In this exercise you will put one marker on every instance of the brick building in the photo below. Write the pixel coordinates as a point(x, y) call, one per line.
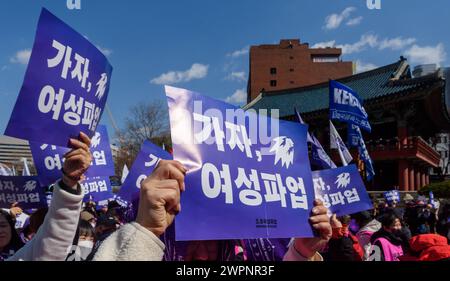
point(292, 64)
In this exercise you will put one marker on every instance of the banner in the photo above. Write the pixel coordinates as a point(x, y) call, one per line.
point(5, 170)
point(241, 183)
point(346, 106)
point(146, 161)
point(392, 196)
point(342, 190)
point(24, 190)
point(353, 135)
point(65, 86)
point(319, 156)
point(97, 189)
point(338, 143)
point(49, 159)
point(21, 220)
point(365, 157)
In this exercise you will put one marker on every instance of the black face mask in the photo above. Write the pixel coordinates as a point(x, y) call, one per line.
point(398, 233)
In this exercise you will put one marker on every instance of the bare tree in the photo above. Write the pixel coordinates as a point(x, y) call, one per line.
point(146, 121)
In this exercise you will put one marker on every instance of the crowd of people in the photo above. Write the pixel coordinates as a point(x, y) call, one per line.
point(72, 231)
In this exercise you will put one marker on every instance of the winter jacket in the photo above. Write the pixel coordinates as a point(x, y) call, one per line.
point(344, 246)
point(133, 242)
point(365, 233)
point(55, 236)
point(430, 247)
point(385, 246)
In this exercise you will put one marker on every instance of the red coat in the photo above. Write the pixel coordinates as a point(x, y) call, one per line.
point(432, 247)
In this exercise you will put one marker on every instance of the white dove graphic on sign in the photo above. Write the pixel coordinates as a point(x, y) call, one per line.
point(283, 147)
point(343, 180)
point(29, 186)
point(95, 140)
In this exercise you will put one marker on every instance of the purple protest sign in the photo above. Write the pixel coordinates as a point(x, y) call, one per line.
point(241, 183)
point(392, 196)
point(24, 190)
point(342, 190)
point(48, 159)
point(65, 86)
point(97, 189)
point(143, 166)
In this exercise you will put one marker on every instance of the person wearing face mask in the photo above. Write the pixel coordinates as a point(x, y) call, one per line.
point(83, 242)
point(388, 243)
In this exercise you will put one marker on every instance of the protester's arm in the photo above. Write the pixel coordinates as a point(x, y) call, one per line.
point(56, 234)
point(159, 203)
point(306, 249)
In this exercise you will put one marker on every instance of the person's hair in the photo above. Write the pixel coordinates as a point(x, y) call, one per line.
point(362, 218)
point(388, 218)
point(37, 219)
point(15, 243)
point(85, 229)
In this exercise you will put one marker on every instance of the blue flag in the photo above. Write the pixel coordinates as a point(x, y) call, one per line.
point(346, 106)
point(341, 190)
point(337, 142)
point(319, 156)
point(353, 135)
point(364, 154)
point(241, 183)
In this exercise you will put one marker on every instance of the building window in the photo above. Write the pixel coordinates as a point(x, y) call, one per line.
point(291, 57)
point(292, 82)
point(325, 59)
point(291, 70)
point(273, 83)
point(273, 70)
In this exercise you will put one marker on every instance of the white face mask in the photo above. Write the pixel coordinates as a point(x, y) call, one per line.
point(92, 224)
point(86, 244)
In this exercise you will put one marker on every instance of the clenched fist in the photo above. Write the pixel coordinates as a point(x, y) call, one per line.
point(78, 160)
point(160, 196)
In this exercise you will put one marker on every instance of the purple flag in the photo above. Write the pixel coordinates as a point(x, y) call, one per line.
point(65, 86)
point(241, 183)
point(24, 190)
point(342, 190)
point(143, 166)
point(97, 189)
point(48, 159)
